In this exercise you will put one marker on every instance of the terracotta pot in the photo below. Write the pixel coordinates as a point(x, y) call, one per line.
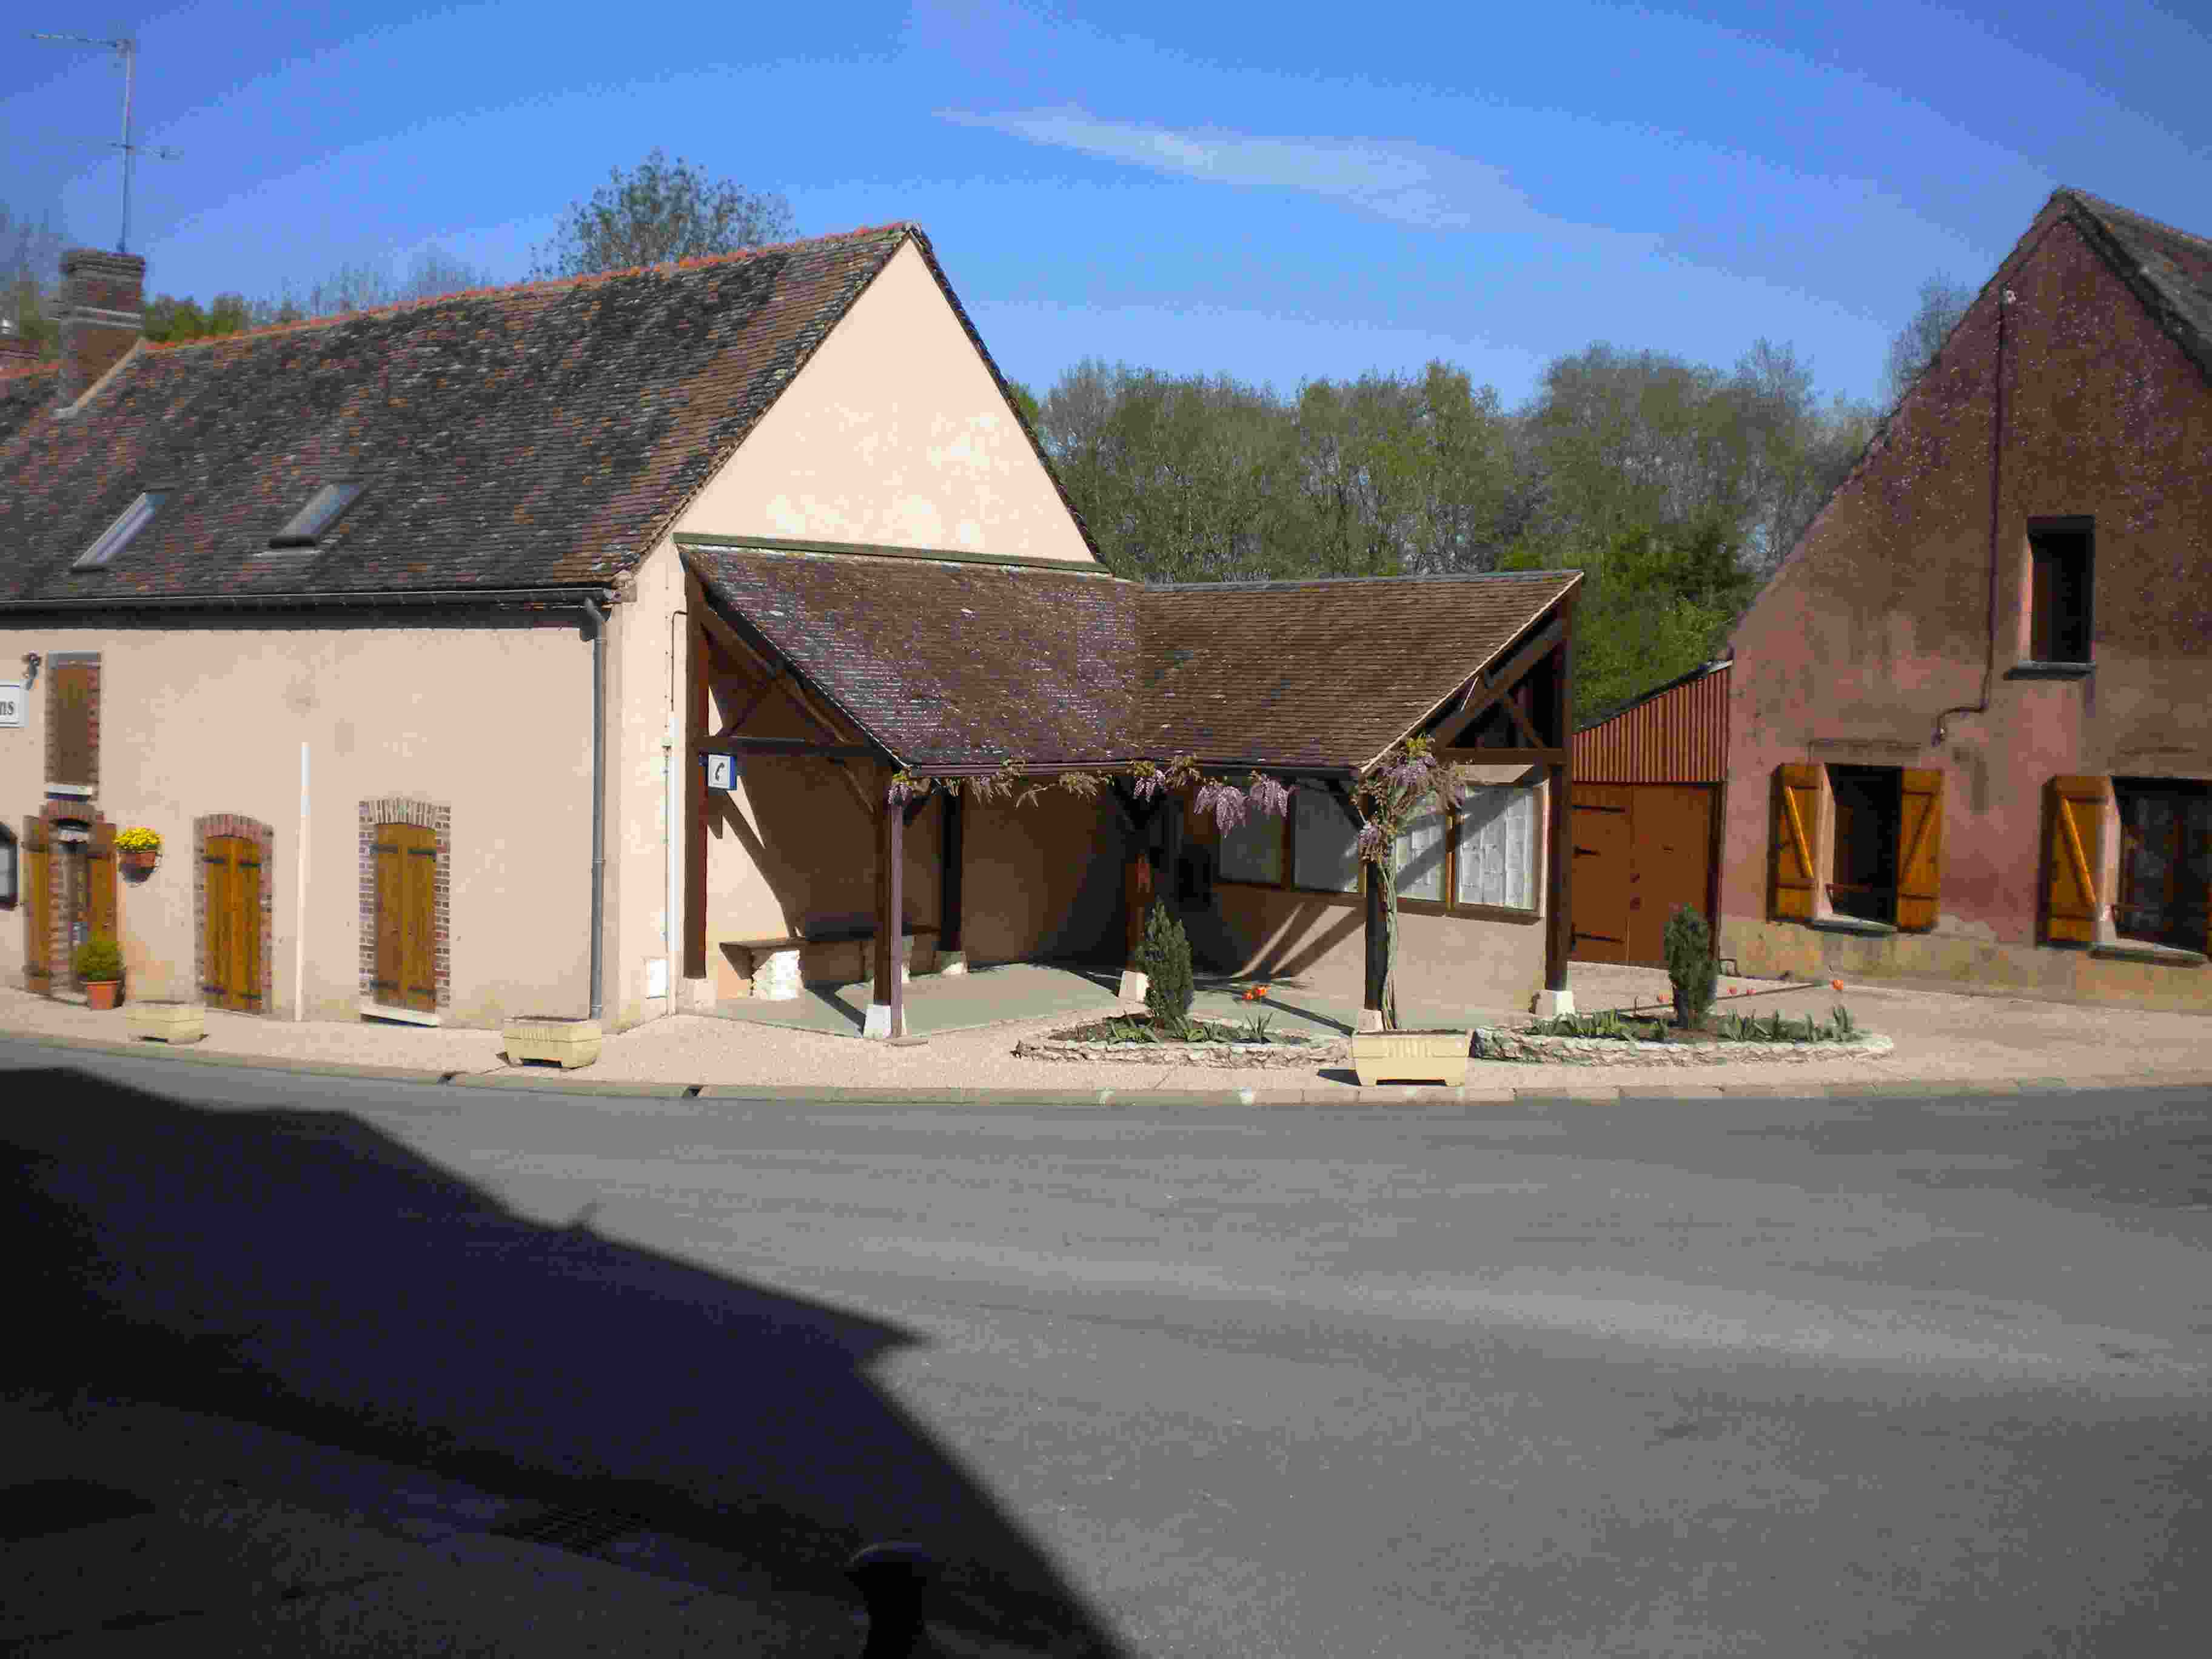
point(140, 858)
point(103, 993)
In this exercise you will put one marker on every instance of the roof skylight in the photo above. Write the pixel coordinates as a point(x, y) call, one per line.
point(322, 510)
point(135, 517)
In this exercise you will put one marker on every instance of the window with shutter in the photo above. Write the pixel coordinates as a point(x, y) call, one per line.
point(1920, 865)
point(2165, 894)
point(10, 869)
point(70, 759)
point(1796, 832)
point(1323, 842)
point(2071, 862)
point(39, 909)
point(1495, 856)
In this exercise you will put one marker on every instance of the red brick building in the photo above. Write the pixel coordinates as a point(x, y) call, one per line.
point(1971, 717)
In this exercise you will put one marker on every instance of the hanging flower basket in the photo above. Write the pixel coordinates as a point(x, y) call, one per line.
point(138, 850)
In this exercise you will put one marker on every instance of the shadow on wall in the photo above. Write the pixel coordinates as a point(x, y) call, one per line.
point(301, 1270)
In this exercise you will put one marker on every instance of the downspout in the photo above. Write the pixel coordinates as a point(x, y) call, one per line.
point(598, 796)
point(1997, 505)
point(669, 808)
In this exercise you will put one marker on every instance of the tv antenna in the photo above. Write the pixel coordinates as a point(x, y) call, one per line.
point(128, 46)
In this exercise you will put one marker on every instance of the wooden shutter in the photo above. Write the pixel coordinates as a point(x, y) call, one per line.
point(2076, 846)
point(100, 883)
point(38, 907)
point(70, 757)
point(406, 858)
point(232, 946)
point(1920, 862)
point(1796, 833)
point(390, 862)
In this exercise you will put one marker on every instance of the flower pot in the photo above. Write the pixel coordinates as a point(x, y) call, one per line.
point(103, 993)
point(1411, 1056)
point(141, 860)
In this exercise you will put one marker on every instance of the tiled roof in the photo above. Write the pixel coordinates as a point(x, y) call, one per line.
point(950, 663)
point(2169, 270)
point(24, 390)
point(537, 436)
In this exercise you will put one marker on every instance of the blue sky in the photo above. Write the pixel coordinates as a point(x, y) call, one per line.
point(1272, 191)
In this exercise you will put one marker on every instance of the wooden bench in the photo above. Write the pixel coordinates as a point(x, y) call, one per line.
point(742, 958)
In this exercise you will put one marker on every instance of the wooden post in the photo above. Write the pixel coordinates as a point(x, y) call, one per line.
point(948, 890)
point(886, 1000)
point(1560, 930)
point(695, 780)
point(1378, 949)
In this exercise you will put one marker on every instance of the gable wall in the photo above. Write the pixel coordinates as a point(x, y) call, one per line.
point(893, 434)
point(1880, 620)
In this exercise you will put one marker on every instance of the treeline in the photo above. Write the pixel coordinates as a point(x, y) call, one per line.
point(1675, 488)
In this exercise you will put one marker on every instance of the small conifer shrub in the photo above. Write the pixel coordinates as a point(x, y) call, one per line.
point(1690, 965)
point(1163, 958)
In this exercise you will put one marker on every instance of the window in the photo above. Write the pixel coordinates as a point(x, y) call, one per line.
point(2059, 556)
point(118, 536)
point(1886, 860)
point(1419, 867)
point(1253, 851)
point(2166, 862)
point(323, 508)
point(1863, 877)
point(1496, 847)
point(1324, 836)
point(10, 869)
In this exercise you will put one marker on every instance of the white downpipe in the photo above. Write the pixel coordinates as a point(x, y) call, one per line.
point(299, 903)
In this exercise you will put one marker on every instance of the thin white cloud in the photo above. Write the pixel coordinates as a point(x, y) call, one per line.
point(1410, 184)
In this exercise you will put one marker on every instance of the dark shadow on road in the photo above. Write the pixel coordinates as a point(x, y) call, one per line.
point(302, 1270)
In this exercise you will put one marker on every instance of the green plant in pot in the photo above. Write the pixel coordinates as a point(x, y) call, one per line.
point(99, 964)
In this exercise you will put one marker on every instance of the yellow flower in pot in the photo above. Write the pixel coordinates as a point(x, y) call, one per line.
point(99, 964)
point(139, 849)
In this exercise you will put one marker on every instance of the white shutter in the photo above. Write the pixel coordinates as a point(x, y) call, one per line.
point(1497, 848)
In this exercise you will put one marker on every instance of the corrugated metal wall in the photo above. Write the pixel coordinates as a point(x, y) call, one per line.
point(1677, 736)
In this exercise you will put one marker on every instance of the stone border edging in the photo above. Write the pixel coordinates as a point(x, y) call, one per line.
point(1497, 1043)
point(1294, 1052)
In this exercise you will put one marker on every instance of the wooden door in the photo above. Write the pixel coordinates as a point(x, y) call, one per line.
point(406, 917)
point(1670, 863)
point(232, 933)
point(1601, 844)
point(38, 891)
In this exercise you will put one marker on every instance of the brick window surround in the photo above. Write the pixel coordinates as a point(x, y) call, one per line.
point(264, 840)
point(58, 950)
point(424, 815)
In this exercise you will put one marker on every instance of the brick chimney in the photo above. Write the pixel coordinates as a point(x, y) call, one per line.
point(102, 310)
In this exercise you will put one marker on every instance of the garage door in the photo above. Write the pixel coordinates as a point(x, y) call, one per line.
point(1640, 850)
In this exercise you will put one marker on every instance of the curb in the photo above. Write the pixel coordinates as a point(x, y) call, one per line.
point(557, 1082)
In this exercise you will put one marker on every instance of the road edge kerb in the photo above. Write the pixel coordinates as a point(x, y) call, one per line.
point(1116, 1095)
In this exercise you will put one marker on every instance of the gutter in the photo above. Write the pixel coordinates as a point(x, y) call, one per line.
point(560, 599)
point(599, 797)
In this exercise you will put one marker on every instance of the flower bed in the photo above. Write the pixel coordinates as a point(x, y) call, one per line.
point(1128, 1040)
point(1497, 1043)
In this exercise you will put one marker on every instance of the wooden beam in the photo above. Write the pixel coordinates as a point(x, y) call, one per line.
point(890, 920)
point(759, 696)
point(695, 783)
point(1501, 683)
point(948, 890)
point(1501, 756)
point(736, 644)
point(1377, 940)
point(727, 743)
point(869, 806)
point(1559, 931)
point(914, 806)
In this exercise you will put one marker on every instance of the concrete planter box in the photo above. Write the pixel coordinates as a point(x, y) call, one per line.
point(1277, 1054)
point(168, 1021)
point(567, 1043)
point(1411, 1056)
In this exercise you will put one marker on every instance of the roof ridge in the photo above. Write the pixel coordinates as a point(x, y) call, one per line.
point(2101, 206)
point(543, 284)
point(1322, 581)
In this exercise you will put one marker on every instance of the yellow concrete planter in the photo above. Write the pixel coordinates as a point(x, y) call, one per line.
point(567, 1043)
point(1411, 1056)
point(168, 1021)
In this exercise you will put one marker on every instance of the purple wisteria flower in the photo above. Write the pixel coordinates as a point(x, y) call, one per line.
point(1226, 803)
point(1145, 785)
point(1269, 795)
point(1370, 844)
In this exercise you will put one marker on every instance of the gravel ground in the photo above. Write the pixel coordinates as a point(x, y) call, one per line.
point(1939, 1038)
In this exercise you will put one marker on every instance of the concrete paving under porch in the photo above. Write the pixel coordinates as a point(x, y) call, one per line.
point(1012, 991)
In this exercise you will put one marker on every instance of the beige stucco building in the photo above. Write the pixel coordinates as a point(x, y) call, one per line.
point(412, 633)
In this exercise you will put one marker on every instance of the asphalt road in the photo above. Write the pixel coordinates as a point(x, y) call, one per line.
point(1876, 1377)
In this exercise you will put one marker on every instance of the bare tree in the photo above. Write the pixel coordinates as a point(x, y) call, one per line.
point(657, 213)
point(1943, 303)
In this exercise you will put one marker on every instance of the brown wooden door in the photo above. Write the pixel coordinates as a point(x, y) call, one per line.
point(1671, 830)
point(406, 917)
point(233, 925)
point(37, 907)
point(1602, 847)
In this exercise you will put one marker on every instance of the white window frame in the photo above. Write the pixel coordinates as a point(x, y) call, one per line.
point(120, 534)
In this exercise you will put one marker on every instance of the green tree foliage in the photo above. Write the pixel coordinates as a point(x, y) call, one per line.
point(1943, 303)
point(30, 280)
point(1691, 969)
point(1163, 958)
point(658, 212)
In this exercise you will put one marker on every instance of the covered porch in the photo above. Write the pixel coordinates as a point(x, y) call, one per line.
point(885, 675)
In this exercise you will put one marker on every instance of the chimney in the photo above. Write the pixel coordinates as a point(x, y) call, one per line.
point(101, 312)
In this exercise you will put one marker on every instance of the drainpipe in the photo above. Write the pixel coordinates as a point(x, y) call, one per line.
point(2005, 302)
point(668, 775)
point(599, 795)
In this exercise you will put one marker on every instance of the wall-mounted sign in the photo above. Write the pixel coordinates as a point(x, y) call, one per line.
point(722, 771)
point(14, 705)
